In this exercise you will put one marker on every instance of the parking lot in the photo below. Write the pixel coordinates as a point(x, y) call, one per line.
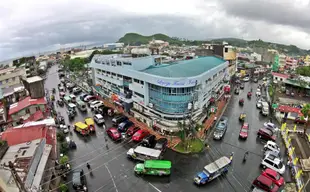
point(112, 171)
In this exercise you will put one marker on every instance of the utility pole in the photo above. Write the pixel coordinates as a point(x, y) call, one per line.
point(17, 179)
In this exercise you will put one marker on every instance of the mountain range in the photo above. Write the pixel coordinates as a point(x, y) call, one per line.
point(138, 39)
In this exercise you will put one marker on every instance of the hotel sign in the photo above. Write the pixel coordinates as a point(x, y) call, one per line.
point(177, 83)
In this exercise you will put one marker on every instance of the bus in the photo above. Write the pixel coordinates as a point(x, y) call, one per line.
point(213, 170)
point(143, 153)
point(153, 167)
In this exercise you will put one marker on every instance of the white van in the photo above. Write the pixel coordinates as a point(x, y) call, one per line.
point(265, 108)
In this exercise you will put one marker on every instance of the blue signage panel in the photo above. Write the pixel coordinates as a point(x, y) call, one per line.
point(164, 83)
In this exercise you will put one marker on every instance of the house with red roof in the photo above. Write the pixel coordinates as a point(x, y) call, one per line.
point(27, 110)
point(279, 77)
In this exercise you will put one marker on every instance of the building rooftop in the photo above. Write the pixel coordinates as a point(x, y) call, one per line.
point(16, 136)
point(185, 68)
point(15, 107)
point(34, 79)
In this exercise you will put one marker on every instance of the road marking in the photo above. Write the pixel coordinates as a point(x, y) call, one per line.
point(154, 187)
point(111, 178)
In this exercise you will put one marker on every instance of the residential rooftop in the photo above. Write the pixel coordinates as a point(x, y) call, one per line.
point(28, 101)
point(185, 68)
point(34, 79)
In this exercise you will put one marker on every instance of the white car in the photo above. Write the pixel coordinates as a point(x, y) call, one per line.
point(258, 93)
point(270, 125)
point(271, 146)
point(98, 118)
point(273, 162)
point(246, 79)
point(94, 103)
point(259, 104)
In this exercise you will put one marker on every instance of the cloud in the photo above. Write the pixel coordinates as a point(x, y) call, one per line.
point(29, 27)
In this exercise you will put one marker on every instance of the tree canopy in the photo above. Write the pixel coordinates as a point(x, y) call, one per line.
point(76, 64)
point(304, 71)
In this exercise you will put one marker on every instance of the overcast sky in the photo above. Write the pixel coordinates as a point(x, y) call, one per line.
point(32, 26)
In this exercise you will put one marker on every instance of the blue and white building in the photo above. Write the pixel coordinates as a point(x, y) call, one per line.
point(157, 93)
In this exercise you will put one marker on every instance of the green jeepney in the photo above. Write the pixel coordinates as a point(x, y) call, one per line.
point(67, 99)
point(153, 167)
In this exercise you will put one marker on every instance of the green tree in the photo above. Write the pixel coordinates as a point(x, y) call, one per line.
point(63, 187)
point(182, 133)
point(64, 159)
point(60, 137)
point(306, 113)
point(64, 147)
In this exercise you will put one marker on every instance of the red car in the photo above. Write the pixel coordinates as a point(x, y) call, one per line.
point(139, 135)
point(131, 130)
point(244, 131)
point(114, 134)
point(274, 176)
point(265, 183)
point(266, 134)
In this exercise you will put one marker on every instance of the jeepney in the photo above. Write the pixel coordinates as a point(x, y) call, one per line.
point(143, 153)
point(81, 105)
point(90, 123)
point(153, 167)
point(67, 99)
point(81, 128)
point(213, 170)
point(73, 98)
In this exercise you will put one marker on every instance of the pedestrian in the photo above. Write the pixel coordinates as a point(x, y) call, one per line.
point(88, 166)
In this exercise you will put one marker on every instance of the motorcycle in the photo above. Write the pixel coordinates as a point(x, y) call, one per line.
point(245, 156)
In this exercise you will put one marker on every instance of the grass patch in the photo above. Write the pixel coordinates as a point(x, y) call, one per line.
point(190, 146)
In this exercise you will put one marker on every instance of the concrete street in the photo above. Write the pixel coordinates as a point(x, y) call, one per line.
point(112, 171)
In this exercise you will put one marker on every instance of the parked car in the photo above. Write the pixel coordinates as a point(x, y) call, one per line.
point(270, 125)
point(139, 135)
point(266, 134)
point(82, 96)
point(237, 91)
point(273, 162)
point(221, 128)
point(89, 98)
point(122, 127)
point(271, 146)
point(255, 80)
point(78, 179)
point(149, 141)
point(119, 119)
point(60, 120)
point(98, 118)
point(274, 176)
point(103, 110)
point(114, 134)
point(97, 106)
point(60, 103)
point(243, 134)
point(259, 103)
point(265, 183)
point(131, 130)
point(299, 120)
point(77, 90)
point(94, 103)
point(161, 144)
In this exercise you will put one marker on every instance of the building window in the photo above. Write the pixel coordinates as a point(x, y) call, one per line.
point(138, 94)
point(226, 50)
point(126, 63)
point(37, 108)
point(119, 63)
point(142, 82)
point(27, 111)
point(136, 80)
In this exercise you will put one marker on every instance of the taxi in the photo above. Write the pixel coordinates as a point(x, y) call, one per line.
point(90, 123)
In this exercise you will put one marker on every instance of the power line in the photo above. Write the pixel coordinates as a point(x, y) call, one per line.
point(99, 155)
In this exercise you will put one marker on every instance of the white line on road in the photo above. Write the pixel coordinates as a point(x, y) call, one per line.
point(154, 187)
point(111, 177)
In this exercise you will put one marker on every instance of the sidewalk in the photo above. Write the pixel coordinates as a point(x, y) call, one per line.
point(209, 122)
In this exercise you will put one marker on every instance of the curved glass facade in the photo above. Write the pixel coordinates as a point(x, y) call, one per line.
point(170, 100)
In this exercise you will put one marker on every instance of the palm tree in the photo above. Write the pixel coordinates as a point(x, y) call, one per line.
point(306, 113)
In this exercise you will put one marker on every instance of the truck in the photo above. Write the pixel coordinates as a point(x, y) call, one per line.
point(143, 153)
point(213, 170)
point(265, 108)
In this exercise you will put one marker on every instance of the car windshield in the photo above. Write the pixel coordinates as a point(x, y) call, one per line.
point(277, 176)
point(280, 165)
point(137, 134)
point(244, 130)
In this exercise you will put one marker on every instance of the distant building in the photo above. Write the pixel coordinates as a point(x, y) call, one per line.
point(35, 87)
point(11, 76)
point(26, 110)
point(291, 63)
point(3, 115)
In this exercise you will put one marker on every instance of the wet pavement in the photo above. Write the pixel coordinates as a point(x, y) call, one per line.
point(112, 171)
